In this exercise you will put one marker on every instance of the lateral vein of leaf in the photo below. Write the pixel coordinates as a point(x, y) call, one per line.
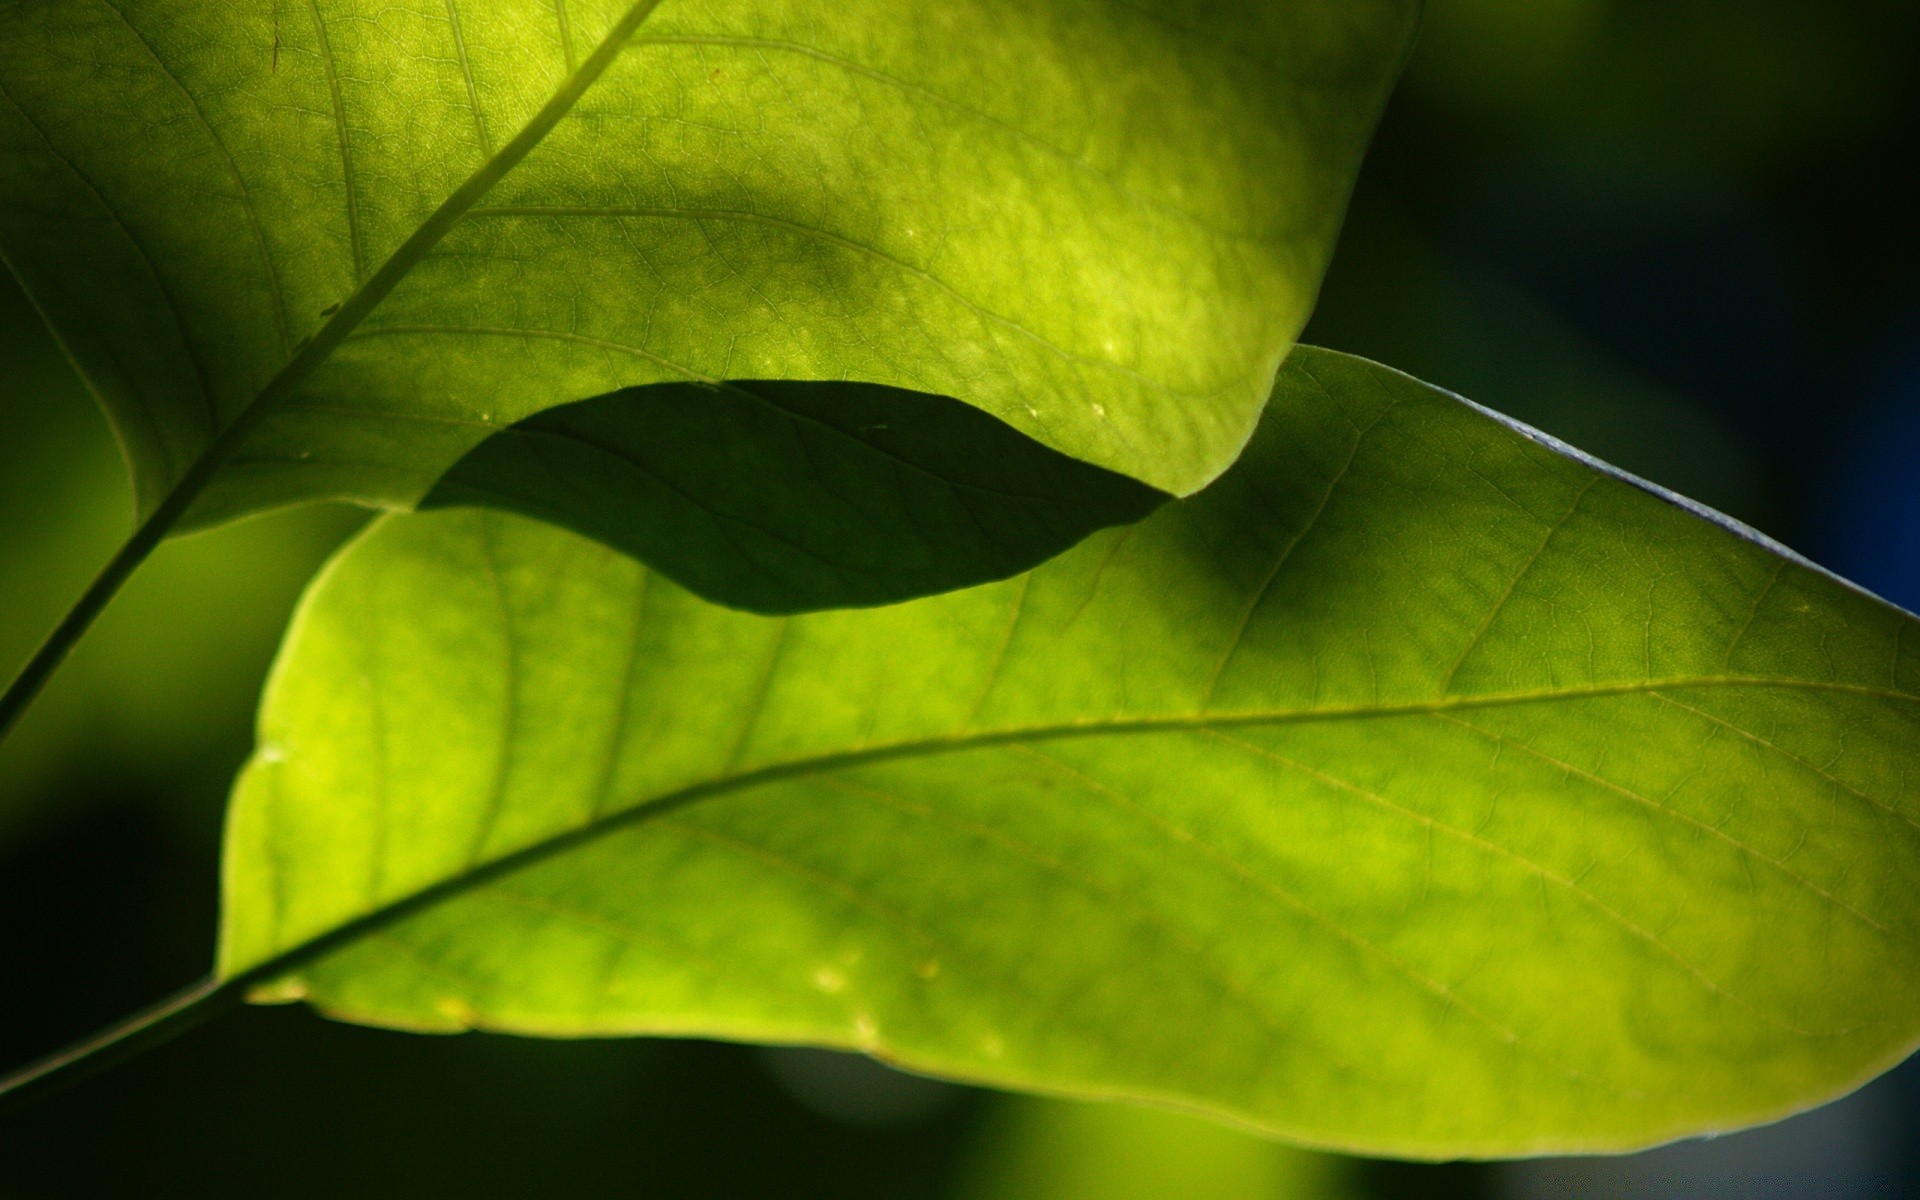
point(320, 944)
point(466, 73)
point(374, 674)
point(617, 727)
point(1208, 967)
point(1533, 868)
point(355, 243)
point(1505, 1035)
point(1286, 554)
point(510, 698)
point(999, 661)
point(627, 930)
point(187, 346)
point(1674, 814)
point(419, 958)
point(839, 887)
point(233, 170)
point(1513, 585)
point(1759, 598)
point(566, 32)
point(758, 704)
point(1790, 756)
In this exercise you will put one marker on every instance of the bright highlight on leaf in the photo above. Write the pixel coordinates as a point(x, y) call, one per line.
point(1417, 788)
point(386, 231)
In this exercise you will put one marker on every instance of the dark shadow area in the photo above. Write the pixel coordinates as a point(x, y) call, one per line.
point(781, 496)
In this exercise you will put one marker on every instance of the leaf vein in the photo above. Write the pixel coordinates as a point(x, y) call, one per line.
point(281, 318)
point(1538, 870)
point(1420, 980)
point(1513, 585)
point(1286, 554)
point(355, 240)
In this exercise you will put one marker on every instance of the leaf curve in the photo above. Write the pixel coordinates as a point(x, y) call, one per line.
point(398, 228)
point(1418, 788)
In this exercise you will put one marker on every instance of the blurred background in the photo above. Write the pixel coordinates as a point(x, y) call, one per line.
point(1680, 234)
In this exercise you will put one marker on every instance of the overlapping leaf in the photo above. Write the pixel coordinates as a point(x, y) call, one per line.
point(1419, 787)
point(376, 234)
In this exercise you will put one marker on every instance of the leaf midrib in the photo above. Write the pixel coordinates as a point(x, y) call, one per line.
point(481, 874)
point(315, 350)
point(185, 490)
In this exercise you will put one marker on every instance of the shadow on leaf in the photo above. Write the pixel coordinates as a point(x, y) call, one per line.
point(781, 496)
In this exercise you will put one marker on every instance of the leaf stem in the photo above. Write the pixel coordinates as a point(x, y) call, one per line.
point(143, 1030)
point(311, 353)
point(58, 644)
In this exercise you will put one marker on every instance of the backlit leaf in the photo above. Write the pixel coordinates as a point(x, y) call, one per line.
point(355, 238)
point(1420, 787)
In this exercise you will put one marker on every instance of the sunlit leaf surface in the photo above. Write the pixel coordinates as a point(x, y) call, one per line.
point(1419, 787)
point(409, 226)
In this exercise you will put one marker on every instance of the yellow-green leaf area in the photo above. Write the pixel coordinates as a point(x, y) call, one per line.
point(1418, 788)
point(383, 231)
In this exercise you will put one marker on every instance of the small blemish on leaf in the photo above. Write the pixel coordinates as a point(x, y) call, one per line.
point(829, 980)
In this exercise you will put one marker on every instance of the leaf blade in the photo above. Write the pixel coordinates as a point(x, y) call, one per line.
point(750, 188)
point(1415, 789)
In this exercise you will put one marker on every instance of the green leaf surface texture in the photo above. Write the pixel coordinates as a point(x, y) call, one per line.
point(1419, 788)
point(375, 233)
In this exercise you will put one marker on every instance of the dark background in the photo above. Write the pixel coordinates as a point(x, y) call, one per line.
point(1679, 233)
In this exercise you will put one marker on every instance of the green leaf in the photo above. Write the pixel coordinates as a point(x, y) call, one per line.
point(801, 495)
point(1421, 788)
point(341, 242)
